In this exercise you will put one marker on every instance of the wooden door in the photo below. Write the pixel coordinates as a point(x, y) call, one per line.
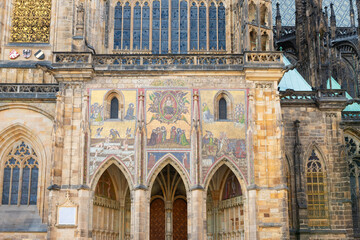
point(157, 220)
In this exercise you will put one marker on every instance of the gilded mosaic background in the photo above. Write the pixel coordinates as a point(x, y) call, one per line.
point(112, 137)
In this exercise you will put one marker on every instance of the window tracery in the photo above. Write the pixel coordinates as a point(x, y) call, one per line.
point(353, 157)
point(316, 192)
point(21, 172)
point(31, 21)
point(170, 26)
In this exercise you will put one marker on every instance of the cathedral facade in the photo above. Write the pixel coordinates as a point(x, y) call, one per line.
point(177, 119)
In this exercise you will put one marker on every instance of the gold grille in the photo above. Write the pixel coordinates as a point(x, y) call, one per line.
point(31, 21)
point(317, 207)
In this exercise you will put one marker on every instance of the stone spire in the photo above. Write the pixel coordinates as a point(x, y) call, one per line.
point(278, 21)
point(352, 14)
point(332, 21)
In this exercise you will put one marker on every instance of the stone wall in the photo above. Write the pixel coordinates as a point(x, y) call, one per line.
point(319, 130)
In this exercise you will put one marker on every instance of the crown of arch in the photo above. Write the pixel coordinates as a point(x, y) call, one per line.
point(225, 95)
point(163, 162)
point(19, 132)
point(108, 101)
point(105, 166)
point(226, 162)
point(320, 153)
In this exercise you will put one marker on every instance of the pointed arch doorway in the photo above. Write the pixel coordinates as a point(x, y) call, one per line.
point(168, 206)
point(225, 206)
point(111, 206)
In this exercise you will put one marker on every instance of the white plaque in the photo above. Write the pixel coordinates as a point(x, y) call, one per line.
point(67, 216)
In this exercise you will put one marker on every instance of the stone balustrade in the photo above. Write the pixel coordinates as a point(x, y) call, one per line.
point(100, 61)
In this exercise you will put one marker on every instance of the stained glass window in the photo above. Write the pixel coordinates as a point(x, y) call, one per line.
point(202, 27)
point(194, 27)
point(22, 161)
point(212, 27)
point(183, 27)
point(137, 26)
point(164, 26)
point(353, 157)
point(156, 27)
point(118, 26)
point(174, 26)
point(145, 26)
point(317, 207)
point(31, 21)
point(221, 27)
point(126, 26)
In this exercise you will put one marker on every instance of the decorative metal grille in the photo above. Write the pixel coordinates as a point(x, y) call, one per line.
point(31, 21)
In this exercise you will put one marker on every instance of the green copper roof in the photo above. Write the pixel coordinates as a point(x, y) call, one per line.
point(293, 80)
point(355, 107)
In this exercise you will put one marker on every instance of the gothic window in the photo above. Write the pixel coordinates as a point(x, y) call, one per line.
point(164, 26)
point(118, 26)
point(137, 26)
point(126, 26)
point(114, 105)
point(221, 27)
point(194, 27)
point(264, 42)
point(145, 26)
point(223, 106)
point(202, 27)
point(31, 21)
point(176, 27)
point(353, 157)
point(183, 27)
point(21, 172)
point(156, 27)
point(252, 13)
point(253, 40)
point(114, 108)
point(263, 15)
point(316, 192)
point(289, 191)
point(212, 27)
point(222, 109)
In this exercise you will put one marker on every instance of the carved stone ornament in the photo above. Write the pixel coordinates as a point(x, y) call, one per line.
point(67, 212)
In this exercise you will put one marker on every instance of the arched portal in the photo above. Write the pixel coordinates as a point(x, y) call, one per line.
point(224, 206)
point(112, 206)
point(168, 207)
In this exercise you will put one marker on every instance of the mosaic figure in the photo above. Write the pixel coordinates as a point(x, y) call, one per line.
point(207, 116)
point(130, 112)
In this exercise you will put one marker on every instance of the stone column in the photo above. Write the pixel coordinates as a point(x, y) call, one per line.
point(268, 217)
point(197, 214)
point(140, 217)
point(168, 220)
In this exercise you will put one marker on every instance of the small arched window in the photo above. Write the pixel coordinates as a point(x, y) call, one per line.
point(114, 108)
point(222, 109)
point(114, 105)
point(21, 172)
